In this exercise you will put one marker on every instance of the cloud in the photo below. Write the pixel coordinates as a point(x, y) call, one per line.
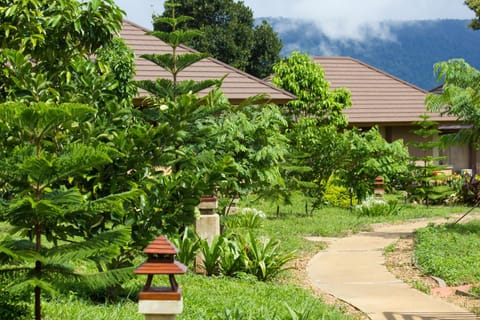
point(339, 19)
point(357, 20)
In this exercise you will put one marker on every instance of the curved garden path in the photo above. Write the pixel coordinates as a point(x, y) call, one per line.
point(353, 269)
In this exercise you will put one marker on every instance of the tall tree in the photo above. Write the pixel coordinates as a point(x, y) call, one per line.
point(229, 148)
point(230, 34)
point(314, 119)
point(460, 98)
point(54, 35)
point(425, 167)
point(475, 6)
point(60, 172)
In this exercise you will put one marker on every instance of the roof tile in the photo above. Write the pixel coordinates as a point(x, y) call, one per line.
point(377, 97)
point(237, 85)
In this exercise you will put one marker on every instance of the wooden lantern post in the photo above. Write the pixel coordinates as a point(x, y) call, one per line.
point(161, 303)
point(379, 187)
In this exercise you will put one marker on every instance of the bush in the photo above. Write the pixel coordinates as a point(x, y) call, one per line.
point(12, 308)
point(373, 207)
point(263, 257)
point(248, 218)
point(235, 254)
point(337, 196)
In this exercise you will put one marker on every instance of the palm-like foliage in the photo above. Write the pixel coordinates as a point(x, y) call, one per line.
point(460, 98)
point(59, 263)
point(42, 158)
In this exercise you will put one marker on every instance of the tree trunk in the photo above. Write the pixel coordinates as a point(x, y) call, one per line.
point(38, 306)
point(38, 272)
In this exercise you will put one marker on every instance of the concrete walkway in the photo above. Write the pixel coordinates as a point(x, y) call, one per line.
point(353, 269)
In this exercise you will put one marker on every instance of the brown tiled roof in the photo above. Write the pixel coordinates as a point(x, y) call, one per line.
point(237, 86)
point(377, 97)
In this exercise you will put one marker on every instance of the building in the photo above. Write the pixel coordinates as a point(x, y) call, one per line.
point(392, 104)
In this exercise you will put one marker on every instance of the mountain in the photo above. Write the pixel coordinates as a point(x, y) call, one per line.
point(407, 50)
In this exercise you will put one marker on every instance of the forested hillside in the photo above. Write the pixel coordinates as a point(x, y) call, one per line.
point(409, 52)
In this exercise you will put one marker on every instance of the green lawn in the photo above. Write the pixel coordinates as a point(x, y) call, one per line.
point(451, 252)
point(208, 298)
point(213, 298)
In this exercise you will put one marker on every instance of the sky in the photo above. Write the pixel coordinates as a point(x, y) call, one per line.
point(349, 19)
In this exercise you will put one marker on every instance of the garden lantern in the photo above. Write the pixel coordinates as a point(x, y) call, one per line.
point(207, 225)
point(379, 187)
point(161, 302)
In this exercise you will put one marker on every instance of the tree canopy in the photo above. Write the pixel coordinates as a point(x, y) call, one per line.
point(229, 33)
point(475, 6)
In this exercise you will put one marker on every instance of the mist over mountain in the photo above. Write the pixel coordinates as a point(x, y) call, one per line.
point(407, 50)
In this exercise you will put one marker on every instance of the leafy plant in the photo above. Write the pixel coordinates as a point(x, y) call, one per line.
point(247, 218)
point(211, 255)
point(188, 244)
point(232, 260)
point(264, 258)
point(377, 207)
point(12, 307)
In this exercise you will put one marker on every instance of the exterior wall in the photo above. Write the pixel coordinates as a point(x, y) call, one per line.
point(457, 157)
point(407, 136)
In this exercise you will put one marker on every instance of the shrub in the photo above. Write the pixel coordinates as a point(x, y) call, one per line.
point(188, 244)
point(12, 308)
point(235, 254)
point(263, 257)
point(248, 218)
point(337, 196)
point(373, 207)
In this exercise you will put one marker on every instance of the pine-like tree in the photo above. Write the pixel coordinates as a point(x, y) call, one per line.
point(39, 165)
point(426, 171)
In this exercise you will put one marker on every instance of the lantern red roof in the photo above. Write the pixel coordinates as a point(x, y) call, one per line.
point(161, 268)
point(161, 245)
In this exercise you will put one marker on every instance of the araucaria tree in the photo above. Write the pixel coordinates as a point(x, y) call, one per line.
point(59, 110)
point(229, 33)
point(215, 145)
point(425, 167)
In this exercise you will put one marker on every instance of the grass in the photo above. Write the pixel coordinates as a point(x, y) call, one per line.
point(211, 298)
point(206, 299)
point(451, 252)
point(292, 225)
